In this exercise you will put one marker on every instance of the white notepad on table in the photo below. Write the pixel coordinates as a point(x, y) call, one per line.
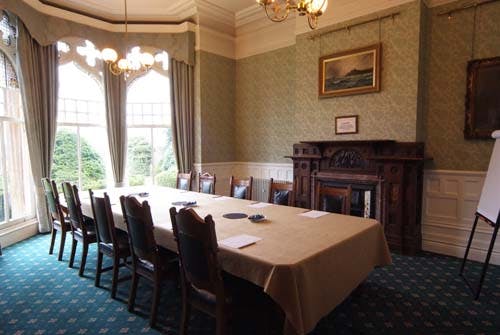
point(314, 214)
point(239, 241)
point(259, 205)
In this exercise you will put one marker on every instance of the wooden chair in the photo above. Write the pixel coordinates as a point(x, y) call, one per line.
point(202, 282)
point(334, 199)
point(148, 260)
point(184, 181)
point(82, 227)
point(111, 242)
point(206, 183)
point(281, 193)
point(57, 218)
point(241, 188)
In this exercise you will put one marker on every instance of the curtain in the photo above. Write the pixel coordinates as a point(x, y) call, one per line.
point(115, 90)
point(39, 86)
point(182, 101)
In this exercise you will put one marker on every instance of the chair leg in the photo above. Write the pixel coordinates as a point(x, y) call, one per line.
point(84, 258)
point(186, 314)
point(156, 301)
point(114, 280)
point(221, 324)
point(61, 246)
point(98, 268)
point(74, 243)
point(52, 241)
point(133, 291)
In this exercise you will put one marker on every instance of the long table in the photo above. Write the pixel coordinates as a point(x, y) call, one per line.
point(306, 265)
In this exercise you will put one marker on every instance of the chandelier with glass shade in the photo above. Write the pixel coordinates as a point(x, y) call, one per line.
point(130, 62)
point(278, 10)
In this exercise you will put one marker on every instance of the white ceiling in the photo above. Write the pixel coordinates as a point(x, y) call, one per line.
point(146, 10)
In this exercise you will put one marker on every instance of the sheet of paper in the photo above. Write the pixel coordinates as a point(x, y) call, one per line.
point(221, 198)
point(260, 205)
point(314, 214)
point(239, 241)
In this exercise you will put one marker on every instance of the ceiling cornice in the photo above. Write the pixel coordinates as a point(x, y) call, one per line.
point(180, 11)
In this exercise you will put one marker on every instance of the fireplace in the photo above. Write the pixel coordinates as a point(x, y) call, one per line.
point(376, 179)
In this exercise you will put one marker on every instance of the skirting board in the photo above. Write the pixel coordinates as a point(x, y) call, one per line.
point(18, 232)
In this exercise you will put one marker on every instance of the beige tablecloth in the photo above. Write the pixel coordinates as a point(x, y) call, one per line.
point(308, 266)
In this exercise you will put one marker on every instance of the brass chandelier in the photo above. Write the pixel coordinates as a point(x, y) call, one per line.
point(278, 10)
point(135, 61)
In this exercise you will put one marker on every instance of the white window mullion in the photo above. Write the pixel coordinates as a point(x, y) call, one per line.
point(4, 174)
point(153, 161)
point(79, 158)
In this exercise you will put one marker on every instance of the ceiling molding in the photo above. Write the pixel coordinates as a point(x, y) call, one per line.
point(215, 17)
point(150, 27)
point(180, 11)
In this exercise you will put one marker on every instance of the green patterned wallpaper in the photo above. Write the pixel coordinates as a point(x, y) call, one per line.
point(277, 100)
point(265, 127)
point(450, 49)
point(214, 108)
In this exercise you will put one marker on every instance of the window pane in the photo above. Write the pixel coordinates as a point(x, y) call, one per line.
point(94, 151)
point(165, 167)
point(140, 156)
point(2, 188)
point(19, 202)
point(65, 165)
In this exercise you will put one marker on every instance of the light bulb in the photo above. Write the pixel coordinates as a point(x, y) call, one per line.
point(109, 55)
point(318, 6)
point(123, 64)
point(147, 59)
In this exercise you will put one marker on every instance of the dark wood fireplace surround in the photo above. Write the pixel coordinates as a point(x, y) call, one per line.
point(392, 170)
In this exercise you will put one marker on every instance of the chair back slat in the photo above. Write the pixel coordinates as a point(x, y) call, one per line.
point(281, 193)
point(52, 201)
point(103, 218)
point(241, 188)
point(197, 245)
point(140, 228)
point(206, 183)
point(73, 204)
point(184, 181)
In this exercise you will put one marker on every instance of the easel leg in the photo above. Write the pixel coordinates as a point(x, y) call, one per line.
point(487, 261)
point(468, 245)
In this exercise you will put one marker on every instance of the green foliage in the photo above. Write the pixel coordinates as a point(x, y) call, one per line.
point(168, 160)
point(65, 165)
point(167, 178)
point(140, 156)
point(136, 180)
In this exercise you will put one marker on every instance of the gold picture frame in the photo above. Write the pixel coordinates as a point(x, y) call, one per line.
point(350, 72)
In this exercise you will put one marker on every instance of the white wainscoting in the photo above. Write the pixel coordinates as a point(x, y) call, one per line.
point(450, 201)
point(260, 171)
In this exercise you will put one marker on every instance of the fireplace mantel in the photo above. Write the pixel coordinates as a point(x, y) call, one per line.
point(392, 170)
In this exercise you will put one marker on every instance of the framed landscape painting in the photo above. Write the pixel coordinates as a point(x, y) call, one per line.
point(350, 72)
point(482, 101)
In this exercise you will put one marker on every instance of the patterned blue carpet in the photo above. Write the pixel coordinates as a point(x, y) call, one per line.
point(417, 295)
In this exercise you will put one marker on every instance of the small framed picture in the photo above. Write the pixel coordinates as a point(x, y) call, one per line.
point(346, 125)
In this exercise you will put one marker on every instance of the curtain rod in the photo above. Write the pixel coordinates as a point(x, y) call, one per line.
point(348, 27)
point(465, 6)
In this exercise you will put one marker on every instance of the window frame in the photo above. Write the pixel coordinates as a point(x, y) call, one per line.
point(151, 127)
